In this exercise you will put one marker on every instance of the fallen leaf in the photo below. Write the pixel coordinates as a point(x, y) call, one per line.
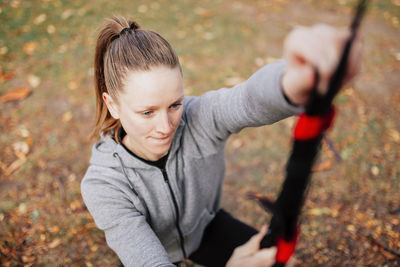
point(74, 205)
point(319, 211)
point(23, 132)
point(395, 21)
point(237, 143)
point(14, 166)
point(28, 259)
point(67, 116)
point(30, 47)
point(7, 76)
point(66, 14)
point(3, 50)
point(15, 4)
point(72, 85)
point(55, 243)
point(394, 135)
point(22, 208)
point(34, 80)
point(21, 149)
point(387, 254)
point(55, 229)
point(51, 29)
point(323, 166)
point(15, 95)
point(350, 228)
point(40, 19)
point(375, 170)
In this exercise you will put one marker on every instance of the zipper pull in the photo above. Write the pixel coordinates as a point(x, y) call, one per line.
point(164, 172)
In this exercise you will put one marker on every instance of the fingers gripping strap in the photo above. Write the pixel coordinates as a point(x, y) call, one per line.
point(310, 127)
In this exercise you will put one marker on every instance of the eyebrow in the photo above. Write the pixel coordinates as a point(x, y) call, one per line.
point(155, 107)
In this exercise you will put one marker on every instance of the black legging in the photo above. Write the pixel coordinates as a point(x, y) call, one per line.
point(221, 237)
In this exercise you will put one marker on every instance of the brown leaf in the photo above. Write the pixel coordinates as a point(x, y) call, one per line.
point(55, 229)
point(15, 95)
point(323, 166)
point(21, 149)
point(28, 259)
point(319, 211)
point(34, 80)
point(67, 116)
point(14, 166)
point(6, 76)
point(39, 19)
point(30, 47)
point(388, 255)
point(203, 12)
point(55, 243)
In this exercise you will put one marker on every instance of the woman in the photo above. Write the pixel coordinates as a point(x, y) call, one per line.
point(155, 177)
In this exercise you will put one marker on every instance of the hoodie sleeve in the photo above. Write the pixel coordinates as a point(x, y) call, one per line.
point(125, 228)
point(255, 102)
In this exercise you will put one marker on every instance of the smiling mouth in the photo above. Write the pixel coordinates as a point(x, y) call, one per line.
point(162, 139)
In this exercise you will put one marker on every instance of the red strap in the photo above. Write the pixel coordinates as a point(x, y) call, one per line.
point(285, 249)
point(310, 127)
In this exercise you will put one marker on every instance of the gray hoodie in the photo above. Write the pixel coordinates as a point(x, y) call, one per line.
point(152, 217)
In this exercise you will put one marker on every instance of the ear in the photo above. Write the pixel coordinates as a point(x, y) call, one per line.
point(111, 105)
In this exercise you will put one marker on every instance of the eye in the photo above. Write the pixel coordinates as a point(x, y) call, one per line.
point(147, 113)
point(176, 105)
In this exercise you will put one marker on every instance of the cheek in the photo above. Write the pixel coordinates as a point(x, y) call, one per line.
point(134, 125)
point(177, 117)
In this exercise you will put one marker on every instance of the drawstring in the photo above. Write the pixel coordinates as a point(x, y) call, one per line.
point(115, 155)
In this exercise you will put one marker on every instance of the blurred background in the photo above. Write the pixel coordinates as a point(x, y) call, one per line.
point(47, 106)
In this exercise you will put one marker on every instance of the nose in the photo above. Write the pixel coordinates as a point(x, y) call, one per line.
point(164, 124)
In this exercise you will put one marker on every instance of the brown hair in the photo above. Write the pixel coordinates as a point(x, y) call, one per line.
point(122, 46)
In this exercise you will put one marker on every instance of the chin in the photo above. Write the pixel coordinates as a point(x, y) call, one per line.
point(161, 150)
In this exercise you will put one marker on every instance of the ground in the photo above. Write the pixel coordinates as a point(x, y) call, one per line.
point(351, 216)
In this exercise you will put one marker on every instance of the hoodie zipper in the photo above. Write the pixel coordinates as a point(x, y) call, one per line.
point(166, 180)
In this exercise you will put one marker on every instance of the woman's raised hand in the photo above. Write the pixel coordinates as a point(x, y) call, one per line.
point(319, 47)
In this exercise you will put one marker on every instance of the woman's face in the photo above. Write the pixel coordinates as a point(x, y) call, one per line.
point(150, 109)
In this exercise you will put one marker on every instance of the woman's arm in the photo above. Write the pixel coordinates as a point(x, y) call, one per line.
point(258, 101)
point(126, 229)
point(261, 99)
